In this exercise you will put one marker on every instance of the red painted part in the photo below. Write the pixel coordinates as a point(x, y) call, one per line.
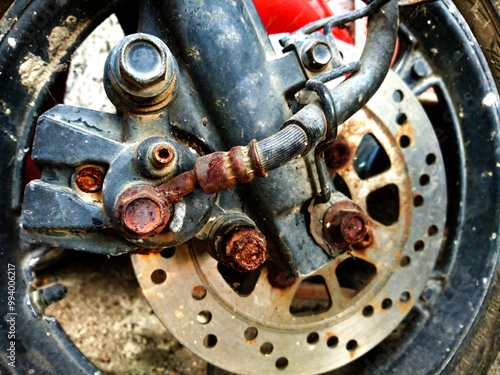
point(286, 16)
point(31, 172)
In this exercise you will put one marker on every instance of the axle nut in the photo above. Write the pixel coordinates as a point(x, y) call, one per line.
point(344, 224)
point(246, 249)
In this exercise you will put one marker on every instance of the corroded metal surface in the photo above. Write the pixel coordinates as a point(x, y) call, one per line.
point(89, 179)
point(344, 224)
point(343, 332)
point(246, 249)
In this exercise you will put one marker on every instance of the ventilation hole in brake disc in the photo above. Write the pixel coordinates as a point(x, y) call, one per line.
point(354, 274)
point(432, 231)
point(424, 180)
point(210, 341)
point(169, 252)
point(430, 159)
point(401, 119)
point(418, 201)
point(370, 158)
point(311, 298)
point(404, 297)
point(281, 363)
point(312, 338)
point(332, 342)
point(351, 345)
point(241, 283)
point(386, 304)
point(199, 292)
point(405, 261)
point(383, 204)
point(418, 245)
point(251, 333)
point(404, 141)
point(204, 317)
point(341, 186)
point(266, 348)
point(158, 276)
point(367, 311)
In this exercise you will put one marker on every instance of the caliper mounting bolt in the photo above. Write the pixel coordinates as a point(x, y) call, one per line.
point(344, 224)
point(316, 56)
point(338, 154)
point(246, 249)
point(141, 212)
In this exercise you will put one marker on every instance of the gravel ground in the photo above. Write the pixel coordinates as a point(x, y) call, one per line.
point(110, 321)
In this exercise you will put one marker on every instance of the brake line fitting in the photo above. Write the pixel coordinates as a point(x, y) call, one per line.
point(143, 211)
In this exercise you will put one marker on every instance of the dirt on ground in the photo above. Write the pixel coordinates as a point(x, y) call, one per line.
point(110, 321)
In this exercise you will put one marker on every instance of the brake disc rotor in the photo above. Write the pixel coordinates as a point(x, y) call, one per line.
point(369, 291)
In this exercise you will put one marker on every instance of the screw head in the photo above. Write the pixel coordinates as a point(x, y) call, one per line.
point(246, 249)
point(317, 56)
point(143, 61)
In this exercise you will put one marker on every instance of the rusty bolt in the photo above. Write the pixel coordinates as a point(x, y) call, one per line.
point(278, 278)
point(89, 179)
point(317, 56)
point(344, 224)
point(338, 154)
point(141, 213)
point(246, 249)
point(365, 242)
point(161, 155)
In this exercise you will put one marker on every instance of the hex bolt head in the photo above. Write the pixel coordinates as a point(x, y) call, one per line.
point(316, 56)
point(140, 74)
point(89, 179)
point(344, 224)
point(338, 154)
point(142, 62)
point(246, 249)
point(141, 213)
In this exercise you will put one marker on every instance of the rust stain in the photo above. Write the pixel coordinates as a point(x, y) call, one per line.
point(338, 154)
point(89, 179)
point(246, 249)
